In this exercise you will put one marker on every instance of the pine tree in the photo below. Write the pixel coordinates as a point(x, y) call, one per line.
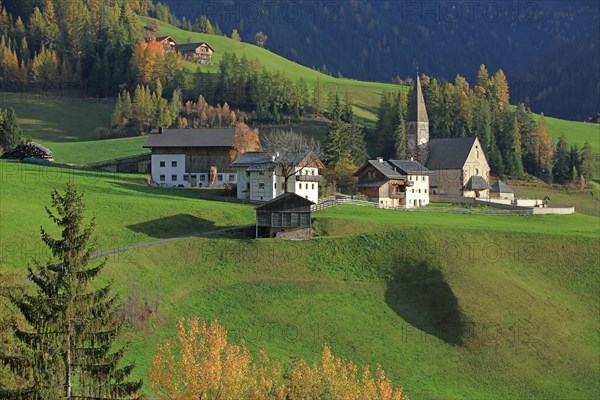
point(318, 98)
point(400, 144)
point(587, 162)
point(483, 124)
point(560, 166)
point(10, 131)
point(575, 168)
point(236, 36)
point(516, 167)
point(72, 326)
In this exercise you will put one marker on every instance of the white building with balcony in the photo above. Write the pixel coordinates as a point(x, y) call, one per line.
point(262, 177)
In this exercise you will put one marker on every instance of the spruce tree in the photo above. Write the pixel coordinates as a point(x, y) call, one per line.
point(71, 326)
point(10, 131)
point(400, 144)
point(587, 162)
point(560, 162)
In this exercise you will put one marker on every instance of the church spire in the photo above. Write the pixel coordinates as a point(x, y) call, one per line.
point(417, 126)
point(416, 108)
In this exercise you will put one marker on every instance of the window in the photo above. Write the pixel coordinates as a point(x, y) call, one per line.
point(419, 190)
point(313, 186)
point(173, 164)
point(299, 186)
point(425, 190)
point(162, 163)
point(202, 177)
point(231, 177)
point(275, 185)
point(423, 179)
point(220, 177)
point(162, 178)
point(173, 178)
point(186, 178)
point(261, 185)
point(261, 172)
point(248, 174)
point(312, 172)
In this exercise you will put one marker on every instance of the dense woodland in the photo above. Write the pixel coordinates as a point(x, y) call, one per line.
point(99, 46)
point(514, 144)
point(533, 42)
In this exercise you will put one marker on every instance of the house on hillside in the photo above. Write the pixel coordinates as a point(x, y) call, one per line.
point(394, 183)
point(167, 42)
point(459, 165)
point(198, 52)
point(262, 177)
point(288, 216)
point(501, 190)
point(192, 157)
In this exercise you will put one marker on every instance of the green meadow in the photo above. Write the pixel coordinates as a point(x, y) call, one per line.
point(453, 306)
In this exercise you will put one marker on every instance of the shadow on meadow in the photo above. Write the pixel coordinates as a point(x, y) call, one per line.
point(173, 226)
point(420, 295)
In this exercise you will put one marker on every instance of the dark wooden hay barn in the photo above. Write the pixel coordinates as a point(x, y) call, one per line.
point(286, 213)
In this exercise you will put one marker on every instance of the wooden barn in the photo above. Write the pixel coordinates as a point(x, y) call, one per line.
point(287, 216)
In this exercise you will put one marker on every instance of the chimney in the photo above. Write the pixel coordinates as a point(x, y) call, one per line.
point(160, 130)
point(380, 159)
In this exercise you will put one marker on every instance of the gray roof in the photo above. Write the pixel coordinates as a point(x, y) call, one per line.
point(251, 158)
point(371, 183)
point(213, 137)
point(477, 183)
point(190, 46)
point(416, 108)
point(261, 161)
point(410, 167)
point(449, 153)
point(284, 197)
point(385, 169)
point(501, 187)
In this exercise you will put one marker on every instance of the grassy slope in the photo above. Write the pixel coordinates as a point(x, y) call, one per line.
point(532, 335)
point(526, 286)
point(67, 126)
point(365, 94)
point(127, 210)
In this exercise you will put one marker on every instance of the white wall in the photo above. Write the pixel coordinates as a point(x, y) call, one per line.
point(418, 194)
point(167, 171)
point(270, 184)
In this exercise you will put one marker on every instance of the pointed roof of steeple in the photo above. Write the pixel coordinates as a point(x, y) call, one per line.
point(416, 108)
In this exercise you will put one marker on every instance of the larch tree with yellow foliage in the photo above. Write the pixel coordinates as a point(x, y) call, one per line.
point(199, 363)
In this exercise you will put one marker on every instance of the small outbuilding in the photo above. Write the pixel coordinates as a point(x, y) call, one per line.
point(287, 216)
point(501, 190)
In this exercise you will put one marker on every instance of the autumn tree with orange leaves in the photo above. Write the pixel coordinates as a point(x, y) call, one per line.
point(150, 64)
point(199, 363)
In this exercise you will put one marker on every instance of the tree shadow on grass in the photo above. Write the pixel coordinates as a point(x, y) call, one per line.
point(173, 226)
point(420, 295)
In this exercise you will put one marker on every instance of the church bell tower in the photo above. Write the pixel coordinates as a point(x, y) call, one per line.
point(417, 126)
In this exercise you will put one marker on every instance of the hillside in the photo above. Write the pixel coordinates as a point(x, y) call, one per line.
point(365, 94)
point(547, 46)
point(451, 305)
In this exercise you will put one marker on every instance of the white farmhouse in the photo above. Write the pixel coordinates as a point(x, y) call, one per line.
point(262, 177)
point(394, 183)
point(192, 157)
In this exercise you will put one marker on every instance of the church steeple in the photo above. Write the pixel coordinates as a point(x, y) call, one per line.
point(417, 125)
point(416, 108)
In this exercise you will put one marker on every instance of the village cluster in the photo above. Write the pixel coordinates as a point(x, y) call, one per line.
point(452, 167)
point(286, 189)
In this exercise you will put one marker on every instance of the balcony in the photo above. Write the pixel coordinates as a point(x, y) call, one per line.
point(410, 183)
point(398, 195)
point(309, 178)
